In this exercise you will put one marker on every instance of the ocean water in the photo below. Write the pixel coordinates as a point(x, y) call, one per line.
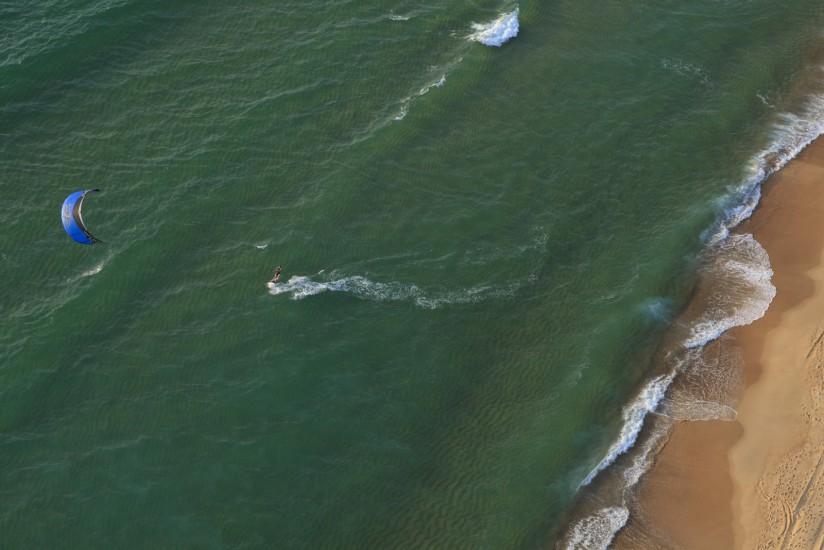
point(503, 228)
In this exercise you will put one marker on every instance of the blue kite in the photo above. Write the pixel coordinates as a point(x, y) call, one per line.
point(73, 222)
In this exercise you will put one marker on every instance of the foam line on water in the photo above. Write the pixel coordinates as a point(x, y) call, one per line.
point(94, 271)
point(300, 287)
point(407, 101)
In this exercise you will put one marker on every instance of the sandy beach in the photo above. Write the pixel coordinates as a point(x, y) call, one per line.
point(756, 481)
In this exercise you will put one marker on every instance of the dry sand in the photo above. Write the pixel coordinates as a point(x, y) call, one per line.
point(758, 481)
point(777, 464)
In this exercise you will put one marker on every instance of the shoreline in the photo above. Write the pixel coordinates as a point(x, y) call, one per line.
point(753, 482)
point(777, 461)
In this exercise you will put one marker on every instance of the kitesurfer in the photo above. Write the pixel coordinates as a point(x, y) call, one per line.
point(276, 278)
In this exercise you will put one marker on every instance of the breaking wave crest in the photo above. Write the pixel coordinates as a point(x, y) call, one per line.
point(633, 415)
point(497, 32)
point(792, 132)
point(704, 375)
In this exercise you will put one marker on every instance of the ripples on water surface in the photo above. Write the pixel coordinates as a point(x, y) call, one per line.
point(489, 216)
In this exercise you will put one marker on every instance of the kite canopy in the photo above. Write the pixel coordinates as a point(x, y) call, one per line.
point(73, 222)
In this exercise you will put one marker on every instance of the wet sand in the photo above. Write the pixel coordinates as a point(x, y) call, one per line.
point(758, 481)
point(776, 465)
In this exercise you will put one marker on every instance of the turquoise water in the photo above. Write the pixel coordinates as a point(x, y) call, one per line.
point(483, 249)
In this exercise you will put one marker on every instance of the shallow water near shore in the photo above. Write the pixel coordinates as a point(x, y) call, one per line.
point(490, 218)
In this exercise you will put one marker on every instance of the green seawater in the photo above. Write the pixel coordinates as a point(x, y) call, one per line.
point(482, 247)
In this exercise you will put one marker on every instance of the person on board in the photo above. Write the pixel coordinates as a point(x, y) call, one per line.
point(276, 278)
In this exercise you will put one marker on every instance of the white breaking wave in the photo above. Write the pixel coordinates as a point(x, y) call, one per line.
point(641, 461)
point(497, 32)
point(597, 531)
point(300, 287)
point(789, 136)
point(740, 272)
point(633, 415)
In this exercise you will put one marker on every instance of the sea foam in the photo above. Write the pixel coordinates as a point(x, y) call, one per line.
point(792, 132)
point(407, 101)
point(598, 530)
point(738, 273)
point(497, 32)
point(633, 416)
point(94, 271)
point(300, 287)
point(708, 386)
point(740, 292)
